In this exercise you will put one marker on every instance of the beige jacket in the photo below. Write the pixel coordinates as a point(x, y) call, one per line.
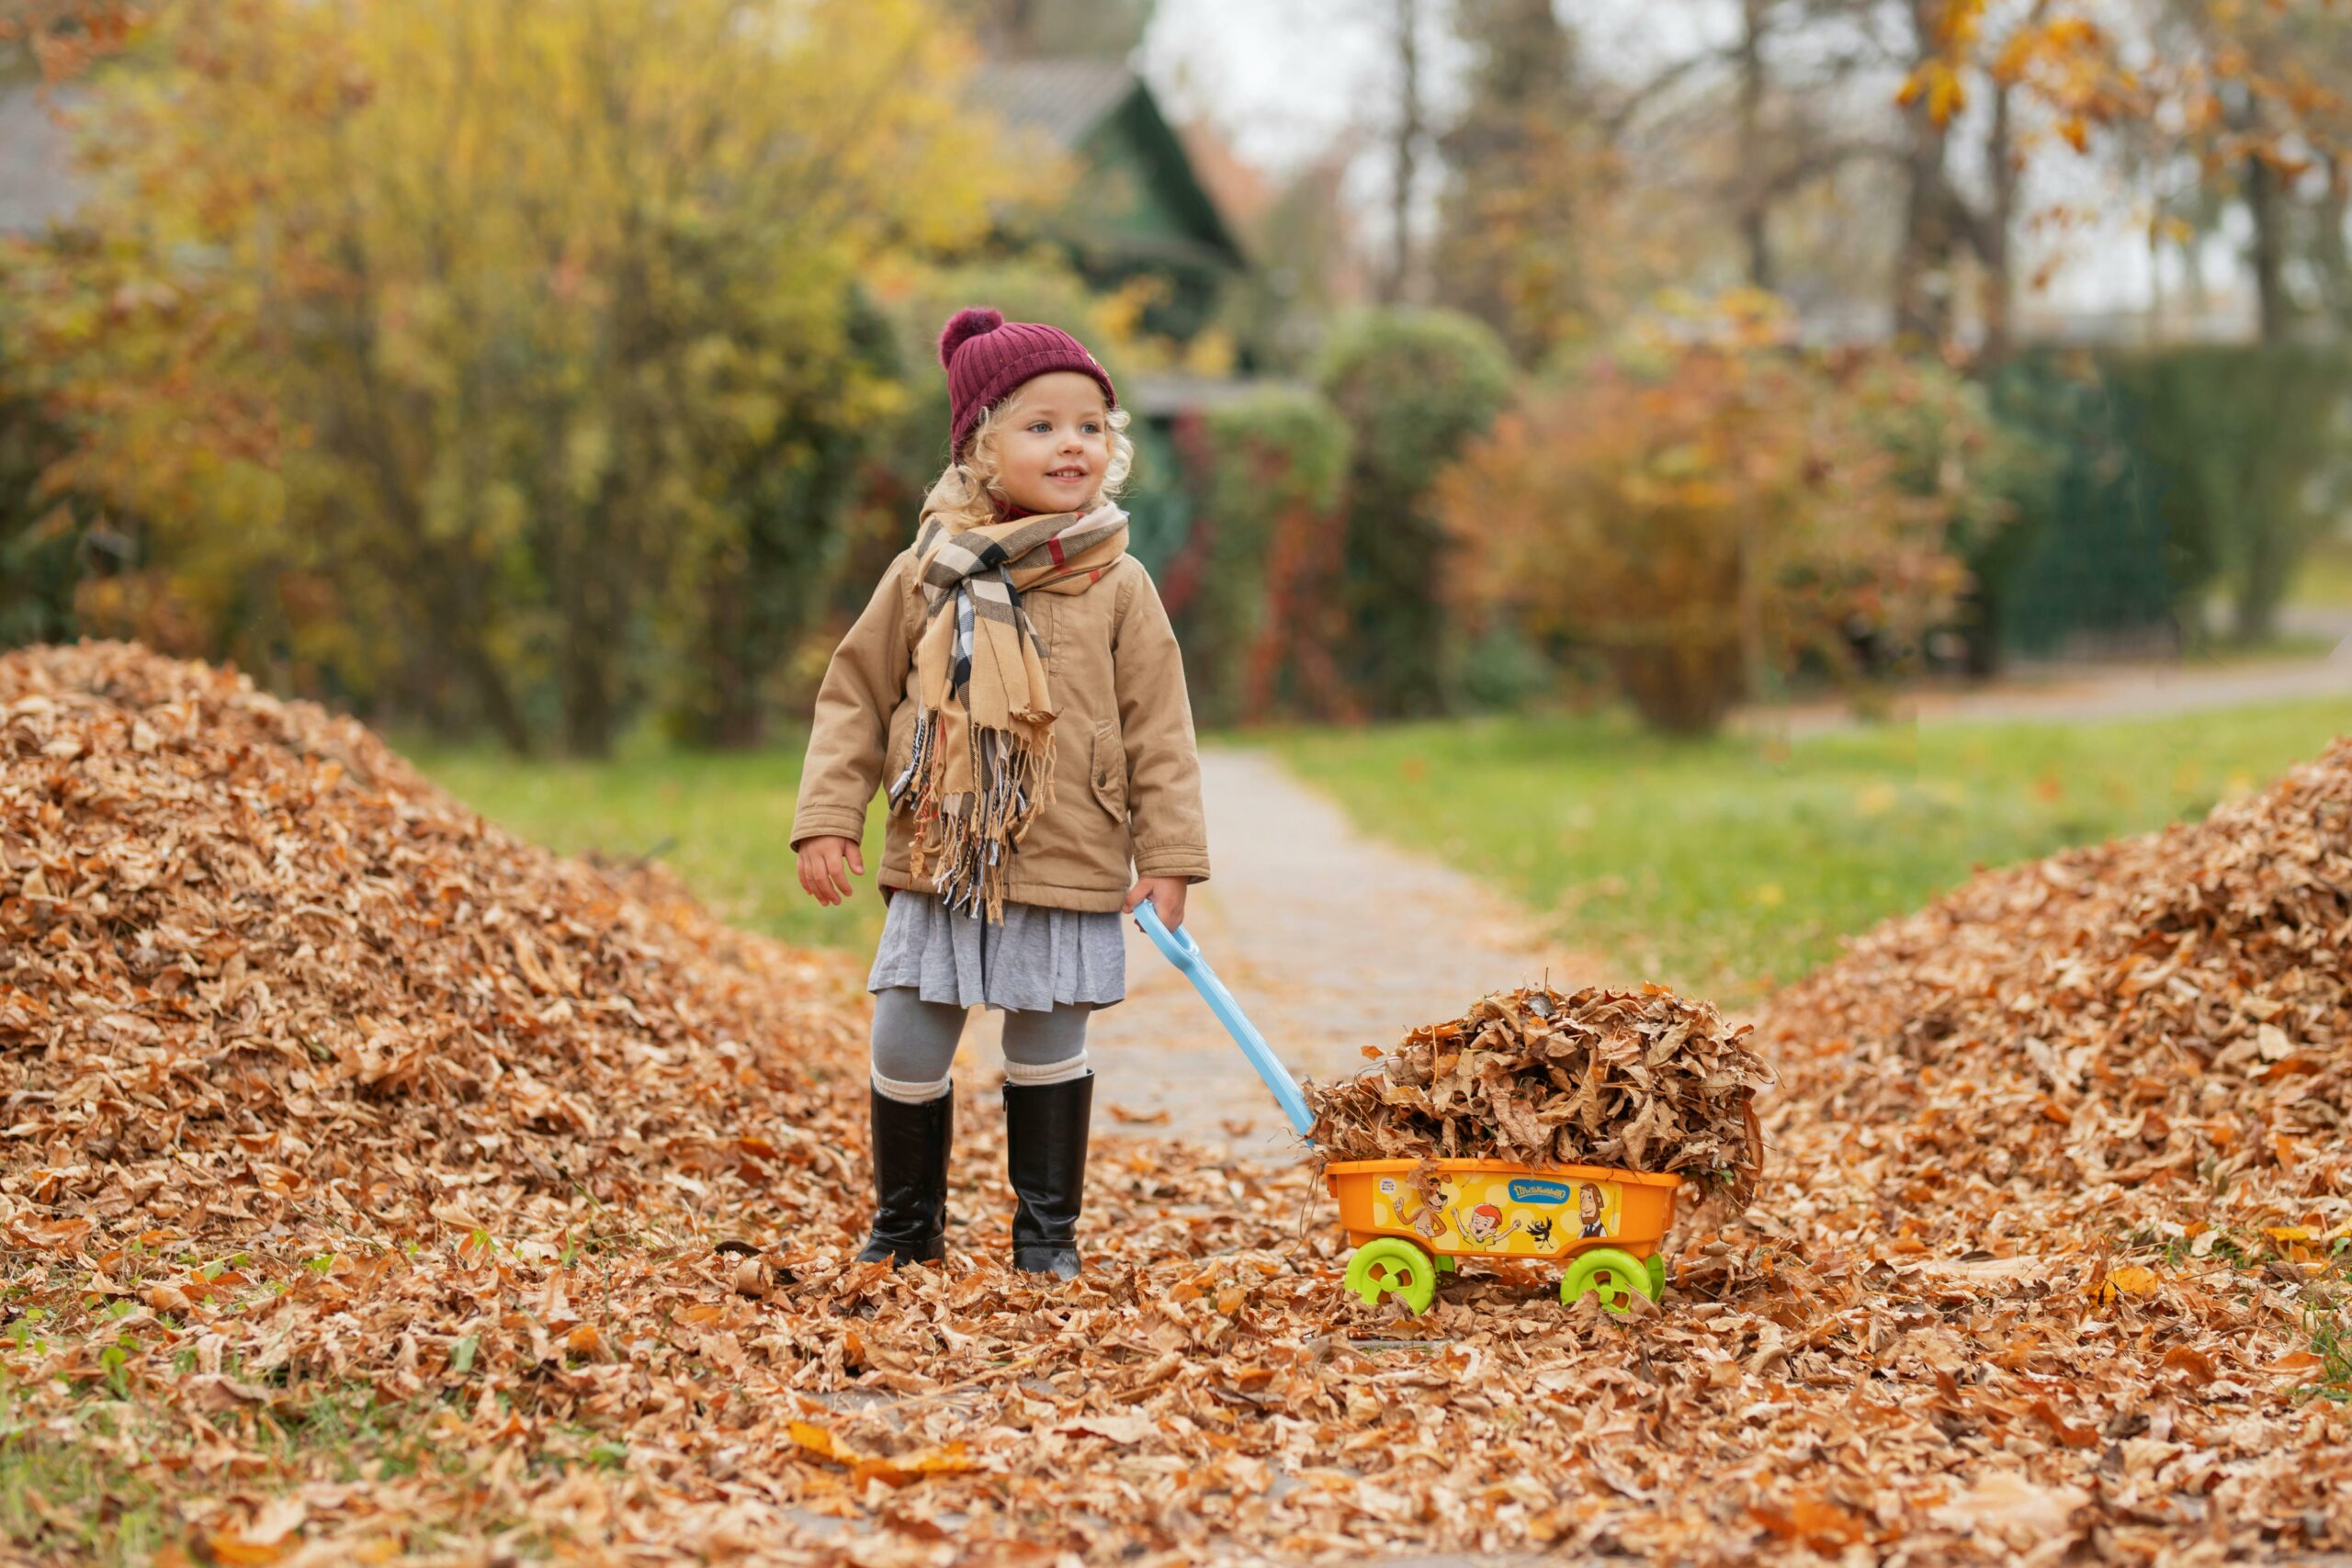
point(1126, 777)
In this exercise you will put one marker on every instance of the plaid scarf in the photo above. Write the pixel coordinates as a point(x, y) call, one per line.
point(983, 759)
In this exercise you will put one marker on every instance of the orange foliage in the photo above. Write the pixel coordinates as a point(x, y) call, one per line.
point(1727, 515)
point(64, 37)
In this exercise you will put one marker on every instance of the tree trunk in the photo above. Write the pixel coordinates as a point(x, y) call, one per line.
point(2270, 565)
point(497, 698)
point(2334, 256)
point(595, 578)
point(591, 706)
point(727, 712)
point(1922, 302)
point(1755, 178)
point(1922, 293)
point(1994, 248)
point(1408, 137)
point(2266, 204)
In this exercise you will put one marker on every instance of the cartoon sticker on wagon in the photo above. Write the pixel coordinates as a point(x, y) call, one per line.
point(1485, 1226)
point(1482, 1212)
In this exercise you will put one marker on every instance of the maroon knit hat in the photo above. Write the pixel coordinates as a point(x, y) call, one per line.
point(988, 356)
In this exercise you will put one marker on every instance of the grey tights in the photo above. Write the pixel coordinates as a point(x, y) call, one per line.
point(915, 1041)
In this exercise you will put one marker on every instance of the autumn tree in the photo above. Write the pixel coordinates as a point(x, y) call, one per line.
point(2241, 93)
point(1712, 515)
point(1527, 236)
point(522, 334)
point(2257, 100)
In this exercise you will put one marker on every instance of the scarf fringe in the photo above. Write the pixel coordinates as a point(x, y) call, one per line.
point(975, 832)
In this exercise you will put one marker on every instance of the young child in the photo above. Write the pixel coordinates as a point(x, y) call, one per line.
point(1015, 684)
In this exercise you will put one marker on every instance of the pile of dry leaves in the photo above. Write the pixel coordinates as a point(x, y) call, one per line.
point(1635, 1080)
point(363, 1173)
point(252, 967)
point(2155, 1033)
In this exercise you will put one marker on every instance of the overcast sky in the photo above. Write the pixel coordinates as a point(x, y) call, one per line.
point(1289, 79)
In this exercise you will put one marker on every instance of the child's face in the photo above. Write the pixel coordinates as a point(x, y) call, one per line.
point(1053, 443)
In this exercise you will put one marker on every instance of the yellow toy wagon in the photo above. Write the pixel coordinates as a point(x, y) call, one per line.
point(1606, 1226)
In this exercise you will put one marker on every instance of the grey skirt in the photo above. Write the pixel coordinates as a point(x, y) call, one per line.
point(1037, 959)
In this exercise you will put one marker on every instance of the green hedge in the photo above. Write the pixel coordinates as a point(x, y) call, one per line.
point(2175, 474)
point(1414, 386)
point(1267, 609)
point(2249, 456)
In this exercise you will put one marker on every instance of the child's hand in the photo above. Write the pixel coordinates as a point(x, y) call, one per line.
point(821, 870)
point(1167, 896)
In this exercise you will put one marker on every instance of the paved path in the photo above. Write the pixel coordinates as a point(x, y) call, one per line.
point(1330, 941)
point(2085, 693)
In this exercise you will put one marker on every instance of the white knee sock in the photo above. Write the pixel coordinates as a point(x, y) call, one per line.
point(907, 1094)
point(1038, 1075)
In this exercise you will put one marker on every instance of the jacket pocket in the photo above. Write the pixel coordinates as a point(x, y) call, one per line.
point(1107, 770)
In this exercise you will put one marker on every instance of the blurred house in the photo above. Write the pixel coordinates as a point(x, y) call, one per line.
point(1141, 207)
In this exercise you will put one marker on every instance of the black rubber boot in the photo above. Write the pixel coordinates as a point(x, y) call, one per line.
point(1044, 1156)
point(909, 1180)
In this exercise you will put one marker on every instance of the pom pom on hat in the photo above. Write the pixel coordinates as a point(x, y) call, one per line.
point(966, 323)
point(988, 357)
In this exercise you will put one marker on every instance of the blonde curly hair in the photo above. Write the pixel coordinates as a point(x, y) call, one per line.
point(969, 492)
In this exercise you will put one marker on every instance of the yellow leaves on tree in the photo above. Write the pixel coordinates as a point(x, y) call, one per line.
point(2082, 76)
point(478, 320)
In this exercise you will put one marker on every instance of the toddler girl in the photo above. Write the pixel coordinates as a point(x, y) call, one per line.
point(1015, 685)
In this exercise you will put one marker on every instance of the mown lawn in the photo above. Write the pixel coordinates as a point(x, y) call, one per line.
point(722, 821)
point(1729, 863)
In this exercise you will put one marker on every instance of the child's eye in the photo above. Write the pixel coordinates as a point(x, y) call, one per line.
point(1038, 427)
point(1092, 428)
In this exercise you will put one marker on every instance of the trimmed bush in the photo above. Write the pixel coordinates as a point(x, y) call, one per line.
point(2249, 455)
point(1414, 387)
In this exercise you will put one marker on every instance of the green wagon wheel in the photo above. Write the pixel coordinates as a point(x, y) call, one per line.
point(1447, 1263)
point(1656, 1263)
point(1390, 1264)
point(1610, 1274)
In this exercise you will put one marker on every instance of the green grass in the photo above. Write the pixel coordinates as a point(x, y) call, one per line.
point(2325, 578)
point(722, 821)
point(1728, 864)
point(1723, 864)
point(2331, 1331)
point(66, 1502)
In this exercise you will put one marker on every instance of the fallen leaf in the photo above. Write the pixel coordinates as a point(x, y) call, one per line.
point(2006, 1505)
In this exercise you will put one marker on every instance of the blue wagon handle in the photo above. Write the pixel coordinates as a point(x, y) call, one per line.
point(1179, 948)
